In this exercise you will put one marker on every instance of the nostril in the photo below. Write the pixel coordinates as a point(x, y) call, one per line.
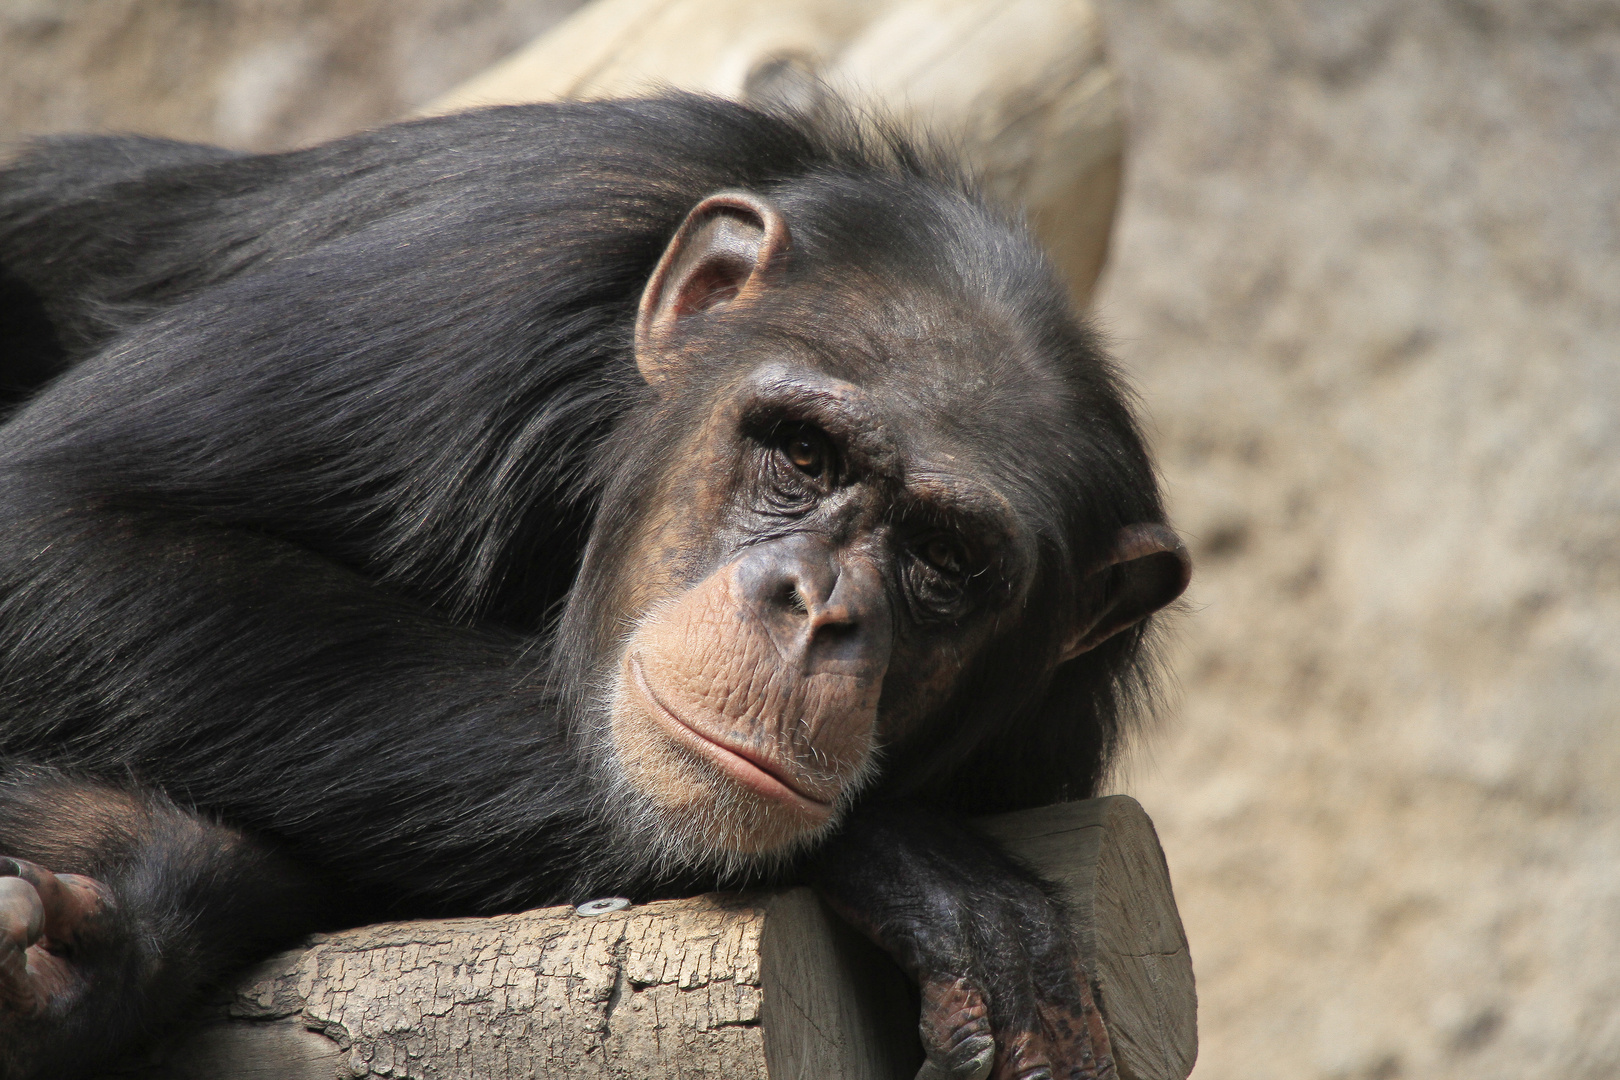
point(834, 621)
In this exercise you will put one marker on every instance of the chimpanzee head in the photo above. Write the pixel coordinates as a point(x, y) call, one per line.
point(882, 493)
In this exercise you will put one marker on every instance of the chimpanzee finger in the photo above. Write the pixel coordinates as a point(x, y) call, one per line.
point(1040, 1056)
point(71, 903)
point(955, 1030)
point(22, 921)
point(1097, 1034)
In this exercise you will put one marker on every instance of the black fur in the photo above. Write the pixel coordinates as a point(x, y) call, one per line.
point(295, 538)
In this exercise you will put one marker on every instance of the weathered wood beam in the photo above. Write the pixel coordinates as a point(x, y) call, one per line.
point(725, 986)
point(1021, 86)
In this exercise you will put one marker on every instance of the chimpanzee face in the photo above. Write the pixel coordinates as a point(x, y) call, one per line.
point(828, 557)
point(827, 586)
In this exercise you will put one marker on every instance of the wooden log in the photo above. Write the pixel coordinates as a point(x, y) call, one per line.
point(725, 986)
point(1021, 86)
point(1104, 854)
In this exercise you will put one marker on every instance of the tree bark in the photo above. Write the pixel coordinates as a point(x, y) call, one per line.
point(724, 986)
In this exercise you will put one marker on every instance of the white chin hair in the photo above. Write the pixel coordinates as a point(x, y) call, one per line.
point(718, 837)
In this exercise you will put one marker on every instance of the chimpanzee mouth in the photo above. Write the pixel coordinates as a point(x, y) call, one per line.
point(748, 769)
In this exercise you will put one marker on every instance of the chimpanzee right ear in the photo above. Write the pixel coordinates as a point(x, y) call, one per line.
point(718, 257)
point(1146, 569)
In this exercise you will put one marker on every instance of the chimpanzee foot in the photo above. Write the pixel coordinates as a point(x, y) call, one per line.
point(1004, 993)
point(1069, 1041)
point(44, 917)
point(955, 1029)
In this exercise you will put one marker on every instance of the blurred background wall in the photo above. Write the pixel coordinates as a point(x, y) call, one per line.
point(253, 74)
point(1367, 278)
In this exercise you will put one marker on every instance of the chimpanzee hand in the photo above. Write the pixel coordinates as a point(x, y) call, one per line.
point(1003, 992)
point(44, 919)
point(92, 966)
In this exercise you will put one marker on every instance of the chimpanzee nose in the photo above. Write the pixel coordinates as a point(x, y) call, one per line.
point(824, 608)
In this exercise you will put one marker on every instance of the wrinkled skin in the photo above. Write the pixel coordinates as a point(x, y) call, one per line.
point(45, 919)
point(781, 705)
point(1004, 994)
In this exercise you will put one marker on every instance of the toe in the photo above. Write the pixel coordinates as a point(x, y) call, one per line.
point(22, 913)
point(44, 918)
point(22, 920)
point(955, 1030)
point(1025, 1057)
point(71, 903)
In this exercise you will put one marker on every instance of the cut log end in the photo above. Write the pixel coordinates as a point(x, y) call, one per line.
point(1105, 857)
point(725, 986)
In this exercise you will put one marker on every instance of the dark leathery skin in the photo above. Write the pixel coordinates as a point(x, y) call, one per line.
point(986, 940)
point(44, 919)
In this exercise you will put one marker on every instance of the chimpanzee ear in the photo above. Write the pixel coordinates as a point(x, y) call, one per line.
point(718, 257)
point(1147, 568)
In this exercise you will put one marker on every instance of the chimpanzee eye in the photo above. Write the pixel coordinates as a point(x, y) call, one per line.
point(942, 555)
point(807, 449)
point(938, 576)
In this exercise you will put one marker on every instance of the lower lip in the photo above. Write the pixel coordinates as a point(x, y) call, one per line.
point(739, 768)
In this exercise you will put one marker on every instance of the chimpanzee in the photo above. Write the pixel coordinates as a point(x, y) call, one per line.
point(541, 503)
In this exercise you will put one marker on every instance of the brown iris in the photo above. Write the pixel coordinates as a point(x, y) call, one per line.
point(807, 449)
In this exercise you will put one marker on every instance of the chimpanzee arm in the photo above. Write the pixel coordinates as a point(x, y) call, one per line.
point(115, 909)
point(86, 243)
point(366, 733)
point(373, 742)
point(167, 903)
point(989, 945)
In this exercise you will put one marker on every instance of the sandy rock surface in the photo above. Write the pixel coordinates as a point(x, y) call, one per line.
point(254, 74)
point(1367, 278)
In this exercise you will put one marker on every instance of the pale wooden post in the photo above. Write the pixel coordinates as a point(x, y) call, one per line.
point(1022, 87)
point(719, 987)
